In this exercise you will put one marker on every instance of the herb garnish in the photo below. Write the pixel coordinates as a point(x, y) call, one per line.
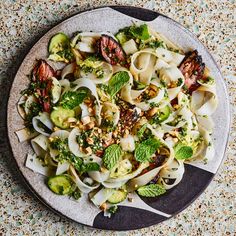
point(151, 190)
point(145, 150)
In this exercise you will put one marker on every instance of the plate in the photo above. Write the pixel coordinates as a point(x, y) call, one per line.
point(142, 212)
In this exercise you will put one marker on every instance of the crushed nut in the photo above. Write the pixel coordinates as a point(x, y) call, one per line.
point(90, 140)
point(130, 199)
point(103, 207)
point(72, 125)
point(90, 125)
point(89, 150)
point(90, 110)
point(176, 106)
point(72, 120)
point(51, 139)
point(175, 140)
point(153, 111)
point(56, 128)
point(103, 169)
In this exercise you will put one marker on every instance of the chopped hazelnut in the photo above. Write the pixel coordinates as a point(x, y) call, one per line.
point(103, 169)
point(56, 128)
point(130, 199)
point(51, 139)
point(72, 125)
point(176, 106)
point(71, 120)
point(88, 150)
point(90, 125)
point(153, 87)
point(103, 207)
point(90, 140)
point(153, 111)
point(175, 140)
point(90, 110)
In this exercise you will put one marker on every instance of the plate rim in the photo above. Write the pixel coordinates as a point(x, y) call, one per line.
point(122, 9)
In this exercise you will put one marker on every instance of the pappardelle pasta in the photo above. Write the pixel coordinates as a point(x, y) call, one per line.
point(122, 115)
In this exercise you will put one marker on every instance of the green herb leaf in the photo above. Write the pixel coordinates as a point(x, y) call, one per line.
point(92, 166)
point(138, 85)
point(183, 152)
point(151, 190)
point(113, 209)
point(111, 156)
point(141, 131)
point(140, 32)
point(146, 149)
point(72, 99)
point(155, 44)
point(76, 194)
point(117, 81)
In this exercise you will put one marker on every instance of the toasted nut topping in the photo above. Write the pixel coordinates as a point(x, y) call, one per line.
point(56, 128)
point(103, 169)
point(103, 207)
point(175, 140)
point(90, 125)
point(71, 120)
point(88, 150)
point(153, 111)
point(176, 106)
point(51, 139)
point(72, 125)
point(90, 140)
point(130, 199)
point(90, 110)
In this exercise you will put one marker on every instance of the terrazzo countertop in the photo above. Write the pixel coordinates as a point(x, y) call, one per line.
point(23, 22)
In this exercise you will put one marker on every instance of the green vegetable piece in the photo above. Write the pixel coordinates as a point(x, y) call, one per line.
point(113, 209)
point(59, 117)
point(156, 44)
point(141, 131)
point(122, 38)
point(92, 166)
point(59, 48)
point(111, 156)
point(183, 152)
point(146, 149)
point(140, 32)
point(76, 194)
point(138, 85)
point(151, 190)
point(72, 99)
point(118, 196)
point(58, 43)
point(60, 184)
point(161, 115)
point(117, 81)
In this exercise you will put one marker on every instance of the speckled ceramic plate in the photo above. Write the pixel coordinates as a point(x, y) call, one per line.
point(142, 212)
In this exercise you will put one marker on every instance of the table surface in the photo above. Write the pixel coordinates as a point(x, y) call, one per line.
point(23, 22)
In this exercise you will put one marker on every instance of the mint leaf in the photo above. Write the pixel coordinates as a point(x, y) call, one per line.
point(72, 99)
point(151, 190)
point(117, 81)
point(140, 32)
point(146, 149)
point(111, 156)
point(183, 152)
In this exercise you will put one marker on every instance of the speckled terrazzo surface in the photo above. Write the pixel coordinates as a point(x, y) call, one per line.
point(22, 23)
